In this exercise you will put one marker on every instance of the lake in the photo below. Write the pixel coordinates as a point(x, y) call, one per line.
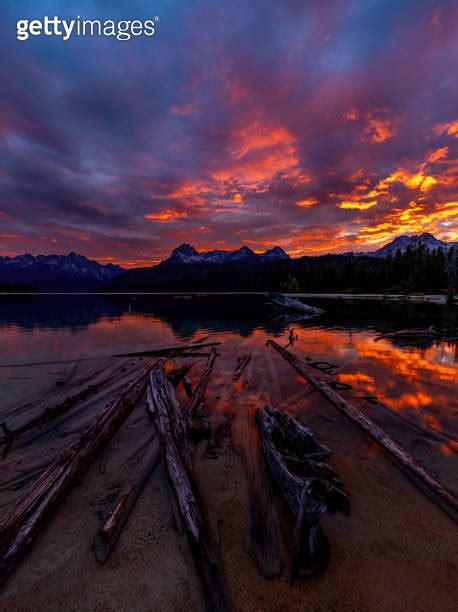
point(418, 380)
point(52, 345)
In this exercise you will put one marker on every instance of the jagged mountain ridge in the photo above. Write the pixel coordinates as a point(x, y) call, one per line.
point(72, 271)
point(187, 254)
point(185, 268)
point(401, 243)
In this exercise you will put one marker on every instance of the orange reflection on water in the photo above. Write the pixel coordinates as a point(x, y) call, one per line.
point(408, 363)
point(418, 384)
point(359, 380)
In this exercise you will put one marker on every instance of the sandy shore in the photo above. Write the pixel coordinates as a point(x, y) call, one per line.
point(397, 550)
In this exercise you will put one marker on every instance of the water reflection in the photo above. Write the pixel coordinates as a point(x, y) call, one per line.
point(187, 315)
point(404, 378)
point(415, 386)
point(75, 312)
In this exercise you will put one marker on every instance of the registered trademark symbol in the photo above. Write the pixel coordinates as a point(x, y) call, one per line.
point(157, 19)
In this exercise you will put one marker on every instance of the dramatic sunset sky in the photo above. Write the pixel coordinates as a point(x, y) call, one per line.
point(316, 125)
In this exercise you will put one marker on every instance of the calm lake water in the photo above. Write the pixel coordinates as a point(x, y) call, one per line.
point(419, 378)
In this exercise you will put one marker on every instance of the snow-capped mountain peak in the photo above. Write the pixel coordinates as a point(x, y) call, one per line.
point(56, 271)
point(401, 243)
point(183, 253)
point(186, 254)
point(276, 253)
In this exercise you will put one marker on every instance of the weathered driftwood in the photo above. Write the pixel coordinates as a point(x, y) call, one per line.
point(50, 412)
point(107, 536)
point(20, 525)
point(242, 363)
point(166, 350)
point(308, 485)
point(264, 523)
point(198, 421)
point(176, 451)
point(395, 450)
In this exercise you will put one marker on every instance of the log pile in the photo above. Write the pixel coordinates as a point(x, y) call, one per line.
point(21, 524)
point(308, 485)
point(272, 443)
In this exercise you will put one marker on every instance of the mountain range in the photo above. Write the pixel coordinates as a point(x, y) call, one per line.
point(185, 268)
point(186, 254)
point(56, 272)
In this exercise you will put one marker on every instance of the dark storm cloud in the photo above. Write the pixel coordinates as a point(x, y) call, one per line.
point(313, 125)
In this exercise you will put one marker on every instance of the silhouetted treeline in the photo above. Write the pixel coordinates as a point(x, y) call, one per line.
point(415, 270)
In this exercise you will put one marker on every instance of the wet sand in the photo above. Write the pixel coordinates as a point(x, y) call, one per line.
point(397, 550)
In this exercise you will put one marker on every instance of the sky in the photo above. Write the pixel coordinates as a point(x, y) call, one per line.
point(318, 126)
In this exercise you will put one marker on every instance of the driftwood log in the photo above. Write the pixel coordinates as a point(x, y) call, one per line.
point(50, 412)
point(21, 524)
point(176, 452)
point(264, 523)
point(107, 536)
point(242, 363)
point(308, 485)
point(166, 350)
point(198, 421)
point(412, 468)
point(160, 351)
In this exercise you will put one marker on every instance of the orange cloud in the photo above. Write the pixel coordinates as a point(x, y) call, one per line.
point(417, 180)
point(258, 152)
point(416, 217)
point(450, 128)
point(378, 130)
point(378, 127)
point(352, 204)
point(188, 193)
point(363, 198)
point(437, 155)
point(307, 202)
point(167, 215)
